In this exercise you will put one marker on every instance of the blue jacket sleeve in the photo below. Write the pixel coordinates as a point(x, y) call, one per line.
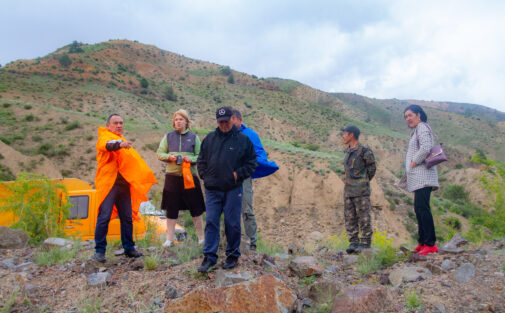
point(264, 167)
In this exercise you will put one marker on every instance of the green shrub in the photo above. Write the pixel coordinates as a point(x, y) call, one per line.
point(56, 255)
point(456, 193)
point(27, 107)
point(169, 94)
point(75, 47)
point(151, 262)
point(30, 118)
point(144, 83)
point(65, 60)
point(266, 247)
point(36, 138)
point(458, 166)
point(307, 281)
point(6, 174)
point(37, 202)
point(453, 222)
point(231, 79)
point(225, 71)
point(73, 125)
point(412, 300)
point(6, 104)
point(312, 147)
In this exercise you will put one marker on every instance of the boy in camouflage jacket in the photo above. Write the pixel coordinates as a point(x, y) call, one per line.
point(360, 168)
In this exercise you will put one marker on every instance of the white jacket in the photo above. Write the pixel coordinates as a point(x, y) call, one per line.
point(420, 176)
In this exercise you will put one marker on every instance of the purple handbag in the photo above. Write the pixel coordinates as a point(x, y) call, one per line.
point(436, 155)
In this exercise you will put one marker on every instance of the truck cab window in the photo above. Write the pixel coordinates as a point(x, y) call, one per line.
point(79, 209)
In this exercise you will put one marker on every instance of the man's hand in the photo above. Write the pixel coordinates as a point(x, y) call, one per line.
point(125, 144)
point(413, 164)
point(235, 175)
point(172, 158)
point(186, 159)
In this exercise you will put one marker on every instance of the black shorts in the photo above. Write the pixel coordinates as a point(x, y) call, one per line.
point(176, 198)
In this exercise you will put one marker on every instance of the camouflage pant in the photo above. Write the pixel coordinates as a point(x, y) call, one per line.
point(357, 218)
point(247, 211)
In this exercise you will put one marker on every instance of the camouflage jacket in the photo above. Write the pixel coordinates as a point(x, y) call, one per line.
point(360, 168)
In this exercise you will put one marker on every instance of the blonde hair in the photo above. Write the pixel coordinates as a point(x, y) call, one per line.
point(184, 114)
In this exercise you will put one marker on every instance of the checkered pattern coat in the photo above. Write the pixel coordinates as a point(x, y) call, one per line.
point(420, 176)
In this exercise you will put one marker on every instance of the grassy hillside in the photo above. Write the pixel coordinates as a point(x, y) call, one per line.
point(50, 109)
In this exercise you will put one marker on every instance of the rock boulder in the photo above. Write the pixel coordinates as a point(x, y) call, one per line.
point(12, 238)
point(266, 294)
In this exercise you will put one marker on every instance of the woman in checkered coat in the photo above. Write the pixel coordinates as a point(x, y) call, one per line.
point(421, 180)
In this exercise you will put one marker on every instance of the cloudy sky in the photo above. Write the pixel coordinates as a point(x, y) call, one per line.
point(426, 50)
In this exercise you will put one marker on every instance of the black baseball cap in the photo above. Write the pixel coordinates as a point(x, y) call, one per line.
point(223, 114)
point(351, 129)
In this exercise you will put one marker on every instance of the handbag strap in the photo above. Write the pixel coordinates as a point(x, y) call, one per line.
point(432, 133)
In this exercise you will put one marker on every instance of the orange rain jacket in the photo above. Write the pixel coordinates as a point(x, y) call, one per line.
point(125, 161)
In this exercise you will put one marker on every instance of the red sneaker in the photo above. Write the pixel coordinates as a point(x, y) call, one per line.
point(427, 249)
point(419, 248)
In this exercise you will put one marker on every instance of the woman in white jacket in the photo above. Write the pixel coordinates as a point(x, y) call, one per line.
point(421, 180)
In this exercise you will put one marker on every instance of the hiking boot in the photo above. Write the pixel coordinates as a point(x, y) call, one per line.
point(353, 248)
point(252, 247)
point(206, 266)
point(100, 257)
point(230, 262)
point(133, 254)
point(363, 246)
point(427, 250)
point(419, 248)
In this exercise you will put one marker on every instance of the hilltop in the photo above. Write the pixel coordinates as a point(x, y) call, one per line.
point(50, 108)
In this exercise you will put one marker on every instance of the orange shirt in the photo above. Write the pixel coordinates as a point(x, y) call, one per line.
point(129, 164)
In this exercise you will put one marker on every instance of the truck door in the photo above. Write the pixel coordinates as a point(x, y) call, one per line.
point(80, 221)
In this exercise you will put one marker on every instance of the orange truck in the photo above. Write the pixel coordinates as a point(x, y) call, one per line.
point(82, 216)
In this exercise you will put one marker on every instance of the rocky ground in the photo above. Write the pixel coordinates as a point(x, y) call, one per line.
point(462, 278)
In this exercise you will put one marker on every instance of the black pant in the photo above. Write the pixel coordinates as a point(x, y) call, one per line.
point(119, 195)
point(425, 225)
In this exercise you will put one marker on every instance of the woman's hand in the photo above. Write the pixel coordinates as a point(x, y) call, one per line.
point(413, 164)
point(186, 159)
point(172, 158)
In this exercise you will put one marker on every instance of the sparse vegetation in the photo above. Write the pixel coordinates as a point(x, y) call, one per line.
point(35, 201)
point(151, 262)
point(412, 300)
point(56, 255)
point(307, 281)
point(266, 247)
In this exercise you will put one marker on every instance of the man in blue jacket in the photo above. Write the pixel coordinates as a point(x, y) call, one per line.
point(263, 169)
point(226, 158)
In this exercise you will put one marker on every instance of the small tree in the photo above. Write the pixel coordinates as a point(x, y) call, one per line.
point(169, 94)
point(144, 83)
point(231, 80)
point(40, 206)
point(226, 71)
point(65, 60)
point(75, 47)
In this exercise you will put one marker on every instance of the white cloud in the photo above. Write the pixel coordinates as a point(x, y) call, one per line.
point(431, 50)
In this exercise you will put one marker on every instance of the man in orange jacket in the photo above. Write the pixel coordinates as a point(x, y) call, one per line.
point(122, 182)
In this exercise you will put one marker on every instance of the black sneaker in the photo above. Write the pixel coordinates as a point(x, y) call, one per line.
point(206, 266)
point(100, 257)
point(353, 248)
point(230, 262)
point(133, 254)
point(252, 247)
